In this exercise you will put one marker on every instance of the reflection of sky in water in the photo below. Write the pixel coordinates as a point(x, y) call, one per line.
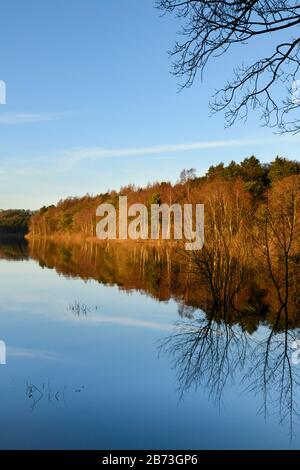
point(99, 380)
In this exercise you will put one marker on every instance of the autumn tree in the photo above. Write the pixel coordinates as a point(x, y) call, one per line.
point(223, 260)
point(281, 167)
point(279, 220)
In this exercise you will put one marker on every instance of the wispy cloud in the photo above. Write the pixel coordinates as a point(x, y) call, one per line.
point(130, 321)
point(32, 354)
point(28, 118)
point(18, 169)
point(98, 152)
point(65, 160)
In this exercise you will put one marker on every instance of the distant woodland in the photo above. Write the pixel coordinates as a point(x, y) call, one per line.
point(250, 184)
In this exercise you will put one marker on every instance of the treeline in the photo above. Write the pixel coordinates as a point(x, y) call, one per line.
point(14, 222)
point(77, 215)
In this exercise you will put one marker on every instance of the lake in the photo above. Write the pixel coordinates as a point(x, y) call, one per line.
point(110, 347)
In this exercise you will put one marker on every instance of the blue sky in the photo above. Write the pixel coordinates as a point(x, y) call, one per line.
point(91, 104)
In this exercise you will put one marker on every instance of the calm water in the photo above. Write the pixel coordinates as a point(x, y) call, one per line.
point(107, 349)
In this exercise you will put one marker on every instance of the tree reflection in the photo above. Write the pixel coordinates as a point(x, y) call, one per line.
point(13, 248)
point(271, 372)
point(207, 350)
point(236, 323)
point(210, 351)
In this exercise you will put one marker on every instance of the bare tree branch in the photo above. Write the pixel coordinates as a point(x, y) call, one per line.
point(210, 30)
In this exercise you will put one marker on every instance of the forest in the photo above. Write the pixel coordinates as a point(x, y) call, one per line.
point(252, 181)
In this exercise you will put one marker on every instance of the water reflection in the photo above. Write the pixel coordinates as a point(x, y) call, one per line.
point(13, 248)
point(165, 272)
point(247, 337)
point(208, 351)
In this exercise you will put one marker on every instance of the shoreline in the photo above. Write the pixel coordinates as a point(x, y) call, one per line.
point(77, 238)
